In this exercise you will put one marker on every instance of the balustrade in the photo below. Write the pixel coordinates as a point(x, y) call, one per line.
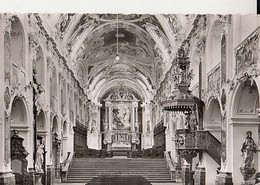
point(198, 140)
point(121, 137)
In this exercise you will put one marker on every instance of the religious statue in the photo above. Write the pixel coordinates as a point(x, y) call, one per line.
point(248, 149)
point(190, 77)
point(39, 158)
point(38, 89)
point(193, 120)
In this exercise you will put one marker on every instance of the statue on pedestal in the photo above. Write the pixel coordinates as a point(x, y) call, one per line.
point(248, 150)
point(39, 158)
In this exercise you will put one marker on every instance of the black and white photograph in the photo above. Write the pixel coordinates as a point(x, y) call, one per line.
point(129, 98)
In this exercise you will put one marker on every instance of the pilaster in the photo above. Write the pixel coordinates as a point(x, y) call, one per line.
point(6, 177)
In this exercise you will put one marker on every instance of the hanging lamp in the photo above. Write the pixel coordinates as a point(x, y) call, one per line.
point(117, 55)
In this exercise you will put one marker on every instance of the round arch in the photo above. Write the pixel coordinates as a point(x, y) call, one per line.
point(19, 112)
point(125, 82)
point(213, 117)
point(39, 65)
point(241, 103)
point(243, 118)
point(213, 45)
point(41, 122)
point(17, 42)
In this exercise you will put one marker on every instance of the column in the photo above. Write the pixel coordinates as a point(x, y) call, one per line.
point(109, 119)
point(6, 177)
point(135, 115)
point(99, 135)
point(109, 116)
point(133, 118)
point(144, 126)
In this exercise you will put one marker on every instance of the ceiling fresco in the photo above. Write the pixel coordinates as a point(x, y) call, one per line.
point(146, 45)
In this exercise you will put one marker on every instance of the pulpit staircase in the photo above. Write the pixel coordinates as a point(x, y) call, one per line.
point(82, 170)
point(213, 147)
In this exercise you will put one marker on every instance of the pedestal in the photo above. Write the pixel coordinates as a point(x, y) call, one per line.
point(200, 176)
point(50, 175)
point(133, 147)
point(224, 178)
point(178, 175)
point(109, 147)
point(187, 175)
point(7, 178)
point(57, 175)
point(38, 178)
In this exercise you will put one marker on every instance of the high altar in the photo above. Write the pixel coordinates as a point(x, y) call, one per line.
point(120, 126)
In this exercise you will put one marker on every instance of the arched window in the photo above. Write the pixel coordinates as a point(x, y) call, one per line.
point(53, 82)
point(39, 65)
point(17, 42)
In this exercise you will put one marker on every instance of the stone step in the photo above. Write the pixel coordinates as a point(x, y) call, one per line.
point(85, 169)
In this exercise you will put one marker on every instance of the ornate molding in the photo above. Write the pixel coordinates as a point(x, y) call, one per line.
point(174, 26)
point(188, 155)
point(121, 95)
point(213, 82)
point(7, 98)
point(64, 23)
point(224, 20)
point(8, 19)
point(247, 53)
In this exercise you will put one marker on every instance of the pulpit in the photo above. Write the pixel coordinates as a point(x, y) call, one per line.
point(19, 162)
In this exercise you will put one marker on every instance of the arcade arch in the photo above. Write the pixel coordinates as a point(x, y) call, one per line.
point(244, 117)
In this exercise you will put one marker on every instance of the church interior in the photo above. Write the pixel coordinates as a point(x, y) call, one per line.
point(165, 98)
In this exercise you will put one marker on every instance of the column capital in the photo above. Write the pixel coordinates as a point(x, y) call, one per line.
point(135, 104)
point(108, 104)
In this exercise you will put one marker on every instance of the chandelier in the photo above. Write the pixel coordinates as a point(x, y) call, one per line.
point(117, 55)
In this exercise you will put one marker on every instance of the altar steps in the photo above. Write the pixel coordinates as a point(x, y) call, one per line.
point(120, 153)
point(84, 169)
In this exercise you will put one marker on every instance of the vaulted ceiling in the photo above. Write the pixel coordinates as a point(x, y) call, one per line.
point(146, 46)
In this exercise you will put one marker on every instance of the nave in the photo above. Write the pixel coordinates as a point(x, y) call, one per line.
point(171, 98)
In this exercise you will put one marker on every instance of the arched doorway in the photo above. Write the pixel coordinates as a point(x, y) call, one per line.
point(20, 142)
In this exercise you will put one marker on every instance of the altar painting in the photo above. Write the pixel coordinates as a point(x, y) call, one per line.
point(121, 116)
